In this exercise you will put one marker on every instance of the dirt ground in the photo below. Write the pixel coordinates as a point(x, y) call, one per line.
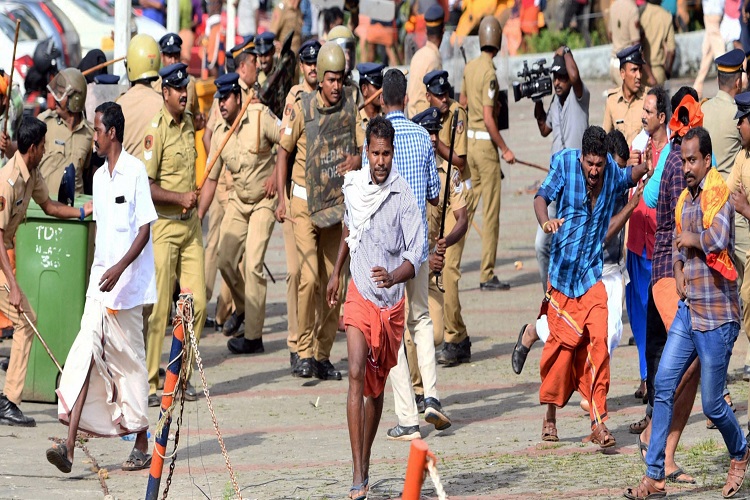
point(287, 437)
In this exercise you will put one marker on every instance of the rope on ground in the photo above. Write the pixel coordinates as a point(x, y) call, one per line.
point(101, 474)
point(197, 355)
point(432, 469)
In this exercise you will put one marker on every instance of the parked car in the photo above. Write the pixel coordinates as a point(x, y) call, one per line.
point(99, 19)
point(24, 51)
point(46, 20)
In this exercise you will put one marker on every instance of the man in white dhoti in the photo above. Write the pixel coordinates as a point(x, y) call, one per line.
point(104, 386)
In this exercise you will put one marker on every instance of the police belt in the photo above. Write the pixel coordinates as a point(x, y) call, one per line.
point(180, 216)
point(299, 191)
point(480, 135)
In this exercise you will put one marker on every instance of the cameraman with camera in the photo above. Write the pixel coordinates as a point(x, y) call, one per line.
point(567, 120)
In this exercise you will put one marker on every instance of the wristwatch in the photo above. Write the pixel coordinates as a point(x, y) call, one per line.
point(566, 49)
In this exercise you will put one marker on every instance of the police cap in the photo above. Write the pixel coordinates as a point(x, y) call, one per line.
point(430, 119)
point(264, 43)
point(175, 75)
point(308, 51)
point(631, 54)
point(731, 62)
point(171, 43)
point(226, 84)
point(437, 82)
point(106, 79)
point(743, 105)
point(371, 73)
point(435, 16)
point(246, 45)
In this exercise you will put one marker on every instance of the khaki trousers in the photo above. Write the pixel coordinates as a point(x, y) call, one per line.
point(713, 47)
point(178, 254)
point(317, 250)
point(23, 337)
point(215, 216)
point(484, 163)
point(741, 249)
point(245, 233)
point(453, 321)
point(419, 323)
point(292, 282)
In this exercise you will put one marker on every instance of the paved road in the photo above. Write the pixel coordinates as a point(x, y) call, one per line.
point(287, 438)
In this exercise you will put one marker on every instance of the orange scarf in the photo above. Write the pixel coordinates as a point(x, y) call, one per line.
point(690, 109)
point(714, 196)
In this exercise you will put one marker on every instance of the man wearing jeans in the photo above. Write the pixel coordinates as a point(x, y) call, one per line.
point(708, 314)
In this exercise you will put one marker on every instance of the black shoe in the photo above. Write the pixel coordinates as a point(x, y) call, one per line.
point(10, 414)
point(520, 351)
point(219, 327)
point(494, 285)
point(241, 345)
point(293, 360)
point(400, 433)
point(4, 364)
point(419, 399)
point(190, 394)
point(233, 324)
point(304, 368)
point(210, 322)
point(435, 415)
point(454, 354)
point(153, 401)
point(324, 370)
point(463, 350)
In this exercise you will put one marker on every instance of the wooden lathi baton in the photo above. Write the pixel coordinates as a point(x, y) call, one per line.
point(234, 126)
point(446, 196)
point(376, 95)
point(10, 81)
point(532, 165)
point(38, 335)
point(102, 65)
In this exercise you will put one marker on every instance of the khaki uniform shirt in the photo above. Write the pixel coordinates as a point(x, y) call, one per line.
point(294, 136)
point(138, 105)
point(624, 24)
point(622, 115)
point(169, 155)
point(718, 119)
point(247, 154)
point(460, 148)
point(285, 20)
point(424, 60)
point(214, 114)
point(18, 186)
point(659, 34)
point(63, 147)
point(740, 174)
point(481, 89)
point(192, 96)
point(294, 94)
point(456, 201)
point(366, 119)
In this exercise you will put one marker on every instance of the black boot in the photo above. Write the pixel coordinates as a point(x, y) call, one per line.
point(10, 414)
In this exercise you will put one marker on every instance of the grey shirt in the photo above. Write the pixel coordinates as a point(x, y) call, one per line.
point(396, 234)
point(569, 120)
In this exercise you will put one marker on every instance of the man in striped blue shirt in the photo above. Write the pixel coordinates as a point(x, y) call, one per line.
point(414, 159)
point(586, 184)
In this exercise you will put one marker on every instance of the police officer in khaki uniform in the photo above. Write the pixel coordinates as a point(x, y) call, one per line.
point(658, 40)
point(20, 181)
point(624, 105)
point(266, 52)
point(344, 38)
point(425, 60)
point(70, 138)
point(479, 94)
point(169, 155)
point(140, 101)
point(249, 218)
point(438, 123)
point(308, 63)
point(287, 18)
point(171, 47)
point(624, 31)
point(370, 81)
point(316, 206)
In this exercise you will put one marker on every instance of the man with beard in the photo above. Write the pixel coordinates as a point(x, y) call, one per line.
point(169, 154)
point(625, 103)
point(266, 51)
point(586, 184)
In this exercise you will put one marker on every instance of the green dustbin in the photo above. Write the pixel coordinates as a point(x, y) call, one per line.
point(53, 259)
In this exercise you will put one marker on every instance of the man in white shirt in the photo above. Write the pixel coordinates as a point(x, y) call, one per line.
point(104, 386)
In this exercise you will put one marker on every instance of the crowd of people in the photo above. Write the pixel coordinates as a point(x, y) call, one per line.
point(375, 183)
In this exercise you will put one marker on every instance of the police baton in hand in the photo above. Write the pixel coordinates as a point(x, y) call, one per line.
point(376, 95)
point(10, 81)
point(234, 126)
point(102, 65)
point(446, 196)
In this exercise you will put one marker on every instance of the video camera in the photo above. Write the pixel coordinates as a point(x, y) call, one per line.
point(537, 81)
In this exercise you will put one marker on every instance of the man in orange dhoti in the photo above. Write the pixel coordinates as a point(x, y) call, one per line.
point(383, 233)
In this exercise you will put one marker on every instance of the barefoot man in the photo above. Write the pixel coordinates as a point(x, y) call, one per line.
point(383, 232)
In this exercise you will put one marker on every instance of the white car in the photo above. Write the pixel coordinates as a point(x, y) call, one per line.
point(24, 51)
point(95, 20)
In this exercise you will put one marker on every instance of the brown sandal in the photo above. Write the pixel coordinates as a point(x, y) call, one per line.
point(601, 436)
point(549, 430)
point(736, 476)
point(640, 426)
point(647, 489)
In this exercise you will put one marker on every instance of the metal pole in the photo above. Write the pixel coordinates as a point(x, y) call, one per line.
point(231, 20)
point(122, 34)
point(173, 16)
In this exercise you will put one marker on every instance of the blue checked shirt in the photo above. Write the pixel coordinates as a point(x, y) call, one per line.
point(576, 255)
point(414, 159)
